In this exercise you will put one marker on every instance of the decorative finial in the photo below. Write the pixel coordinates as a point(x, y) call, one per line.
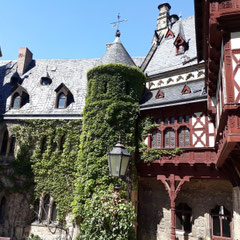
point(180, 16)
point(117, 24)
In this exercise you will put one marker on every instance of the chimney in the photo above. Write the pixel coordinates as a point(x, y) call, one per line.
point(162, 21)
point(24, 59)
point(173, 18)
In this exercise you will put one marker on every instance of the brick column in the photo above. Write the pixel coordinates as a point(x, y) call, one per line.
point(236, 214)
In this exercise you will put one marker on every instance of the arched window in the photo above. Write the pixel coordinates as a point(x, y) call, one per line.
point(184, 137)
point(156, 139)
point(4, 143)
point(54, 212)
point(221, 222)
point(2, 210)
point(169, 138)
point(16, 101)
point(45, 207)
point(184, 217)
point(62, 101)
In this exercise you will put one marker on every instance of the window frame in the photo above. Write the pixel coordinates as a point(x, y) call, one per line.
point(58, 100)
point(184, 137)
point(184, 213)
point(169, 130)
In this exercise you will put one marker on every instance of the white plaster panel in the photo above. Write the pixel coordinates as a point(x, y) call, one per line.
point(194, 139)
point(199, 125)
point(194, 119)
point(203, 119)
point(198, 133)
point(224, 85)
point(211, 128)
point(235, 40)
point(146, 141)
point(211, 141)
point(199, 144)
point(235, 92)
point(204, 138)
point(234, 64)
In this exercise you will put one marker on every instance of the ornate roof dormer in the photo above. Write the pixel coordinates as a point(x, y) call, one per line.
point(180, 41)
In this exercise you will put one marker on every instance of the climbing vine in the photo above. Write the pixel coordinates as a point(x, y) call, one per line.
point(111, 110)
point(47, 158)
point(146, 126)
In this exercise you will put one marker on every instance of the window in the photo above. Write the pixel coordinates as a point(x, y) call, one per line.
point(180, 50)
point(184, 137)
point(12, 145)
point(44, 144)
point(187, 118)
point(169, 138)
point(4, 143)
point(156, 139)
point(221, 222)
point(36, 210)
point(159, 94)
point(16, 102)
point(61, 101)
point(45, 207)
point(158, 121)
point(62, 140)
point(45, 81)
point(186, 90)
point(184, 217)
point(54, 212)
point(172, 120)
point(166, 121)
point(180, 119)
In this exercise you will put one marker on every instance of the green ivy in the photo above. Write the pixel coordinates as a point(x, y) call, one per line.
point(146, 126)
point(47, 167)
point(111, 110)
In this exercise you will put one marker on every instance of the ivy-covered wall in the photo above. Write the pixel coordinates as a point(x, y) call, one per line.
point(111, 110)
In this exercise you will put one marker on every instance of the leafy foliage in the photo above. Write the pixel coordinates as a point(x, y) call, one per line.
point(50, 166)
point(111, 111)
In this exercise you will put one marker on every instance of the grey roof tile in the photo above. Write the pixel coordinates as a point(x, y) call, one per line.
point(165, 58)
point(173, 94)
point(116, 53)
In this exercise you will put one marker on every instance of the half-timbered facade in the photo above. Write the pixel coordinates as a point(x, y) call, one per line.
point(218, 42)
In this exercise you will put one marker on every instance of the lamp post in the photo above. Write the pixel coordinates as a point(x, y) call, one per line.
point(118, 160)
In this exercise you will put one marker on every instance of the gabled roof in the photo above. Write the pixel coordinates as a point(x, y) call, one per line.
point(116, 53)
point(164, 57)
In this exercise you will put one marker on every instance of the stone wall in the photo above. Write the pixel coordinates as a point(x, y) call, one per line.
point(154, 217)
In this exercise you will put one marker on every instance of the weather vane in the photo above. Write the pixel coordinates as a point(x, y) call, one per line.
point(117, 24)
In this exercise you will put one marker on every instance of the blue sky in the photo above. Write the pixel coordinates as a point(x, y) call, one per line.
point(79, 28)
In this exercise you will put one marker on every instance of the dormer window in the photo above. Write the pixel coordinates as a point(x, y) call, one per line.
point(169, 34)
point(64, 97)
point(186, 90)
point(45, 81)
point(159, 94)
point(16, 102)
point(61, 101)
point(19, 97)
point(181, 45)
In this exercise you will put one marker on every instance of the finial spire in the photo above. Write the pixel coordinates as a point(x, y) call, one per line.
point(117, 24)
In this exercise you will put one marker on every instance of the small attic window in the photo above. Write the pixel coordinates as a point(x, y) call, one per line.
point(19, 97)
point(64, 97)
point(186, 90)
point(159, 94)
point(45, 81)
point(169, 34)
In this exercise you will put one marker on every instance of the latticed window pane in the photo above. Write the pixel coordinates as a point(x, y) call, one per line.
point(181, 138)
point(187, 137)
point(172, 138)
point(158, 139)
point(167, 138)
point(154, 139)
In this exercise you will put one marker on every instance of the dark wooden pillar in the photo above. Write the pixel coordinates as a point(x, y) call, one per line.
point(173, 185)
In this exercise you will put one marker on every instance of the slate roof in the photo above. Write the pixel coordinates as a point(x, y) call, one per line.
point(42, 102)
point(173, 95)
point(116, 53)
point(71, 72)
point(165, 58)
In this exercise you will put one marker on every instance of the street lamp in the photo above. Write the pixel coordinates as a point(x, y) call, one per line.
point(118, 160)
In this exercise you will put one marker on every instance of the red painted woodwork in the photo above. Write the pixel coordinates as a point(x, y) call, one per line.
point(186, 90)
point(173, 185)
point(169, 33)
point(159, 94)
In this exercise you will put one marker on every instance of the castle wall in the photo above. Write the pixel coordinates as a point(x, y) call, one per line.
point(201, 195)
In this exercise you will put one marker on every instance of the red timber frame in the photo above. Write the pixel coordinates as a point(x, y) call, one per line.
point(194, 163)
point(215, 21)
